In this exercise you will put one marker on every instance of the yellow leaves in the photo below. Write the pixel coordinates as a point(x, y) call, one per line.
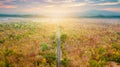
point(97, 56)
point(116, 53)
point(44, 60)
point(41, 59)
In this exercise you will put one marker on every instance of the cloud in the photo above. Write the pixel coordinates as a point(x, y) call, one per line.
point(74, 5)
point(42, 5)
point(85, 2)
point(7, 6)
point(59, 1)
point(31, 9)
point(7, 0)
point(112, 9)
point(101, 1)
point(109, 3)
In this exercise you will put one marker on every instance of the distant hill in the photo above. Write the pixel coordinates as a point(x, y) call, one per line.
point(98, 14)
point(16, 15)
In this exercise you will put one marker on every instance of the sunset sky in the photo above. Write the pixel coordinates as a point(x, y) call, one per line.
point(56, 6)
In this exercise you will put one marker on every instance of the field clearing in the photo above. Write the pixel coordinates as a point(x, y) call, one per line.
point(84, 43)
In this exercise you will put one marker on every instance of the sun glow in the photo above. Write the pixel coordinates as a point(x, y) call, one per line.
point(57, 13)
point(53, 12)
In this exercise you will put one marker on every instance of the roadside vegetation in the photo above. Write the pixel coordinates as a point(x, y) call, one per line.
point(33, 44)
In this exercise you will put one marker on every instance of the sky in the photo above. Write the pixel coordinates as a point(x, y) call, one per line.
point(56, 6)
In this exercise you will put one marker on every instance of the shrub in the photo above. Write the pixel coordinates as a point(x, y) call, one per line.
point(118, 33)
point(50, 58)
point(6, 54)
point(44, 46)
point(2, 64)
point(115, 56)
point(15, 36)
point(94, 63)
point(1, 30)
point(63, 38)
point(2, 41)
point(116, 46)
point(6, 63)
point(18, 37)
point(98, 59)
point(65, 62)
